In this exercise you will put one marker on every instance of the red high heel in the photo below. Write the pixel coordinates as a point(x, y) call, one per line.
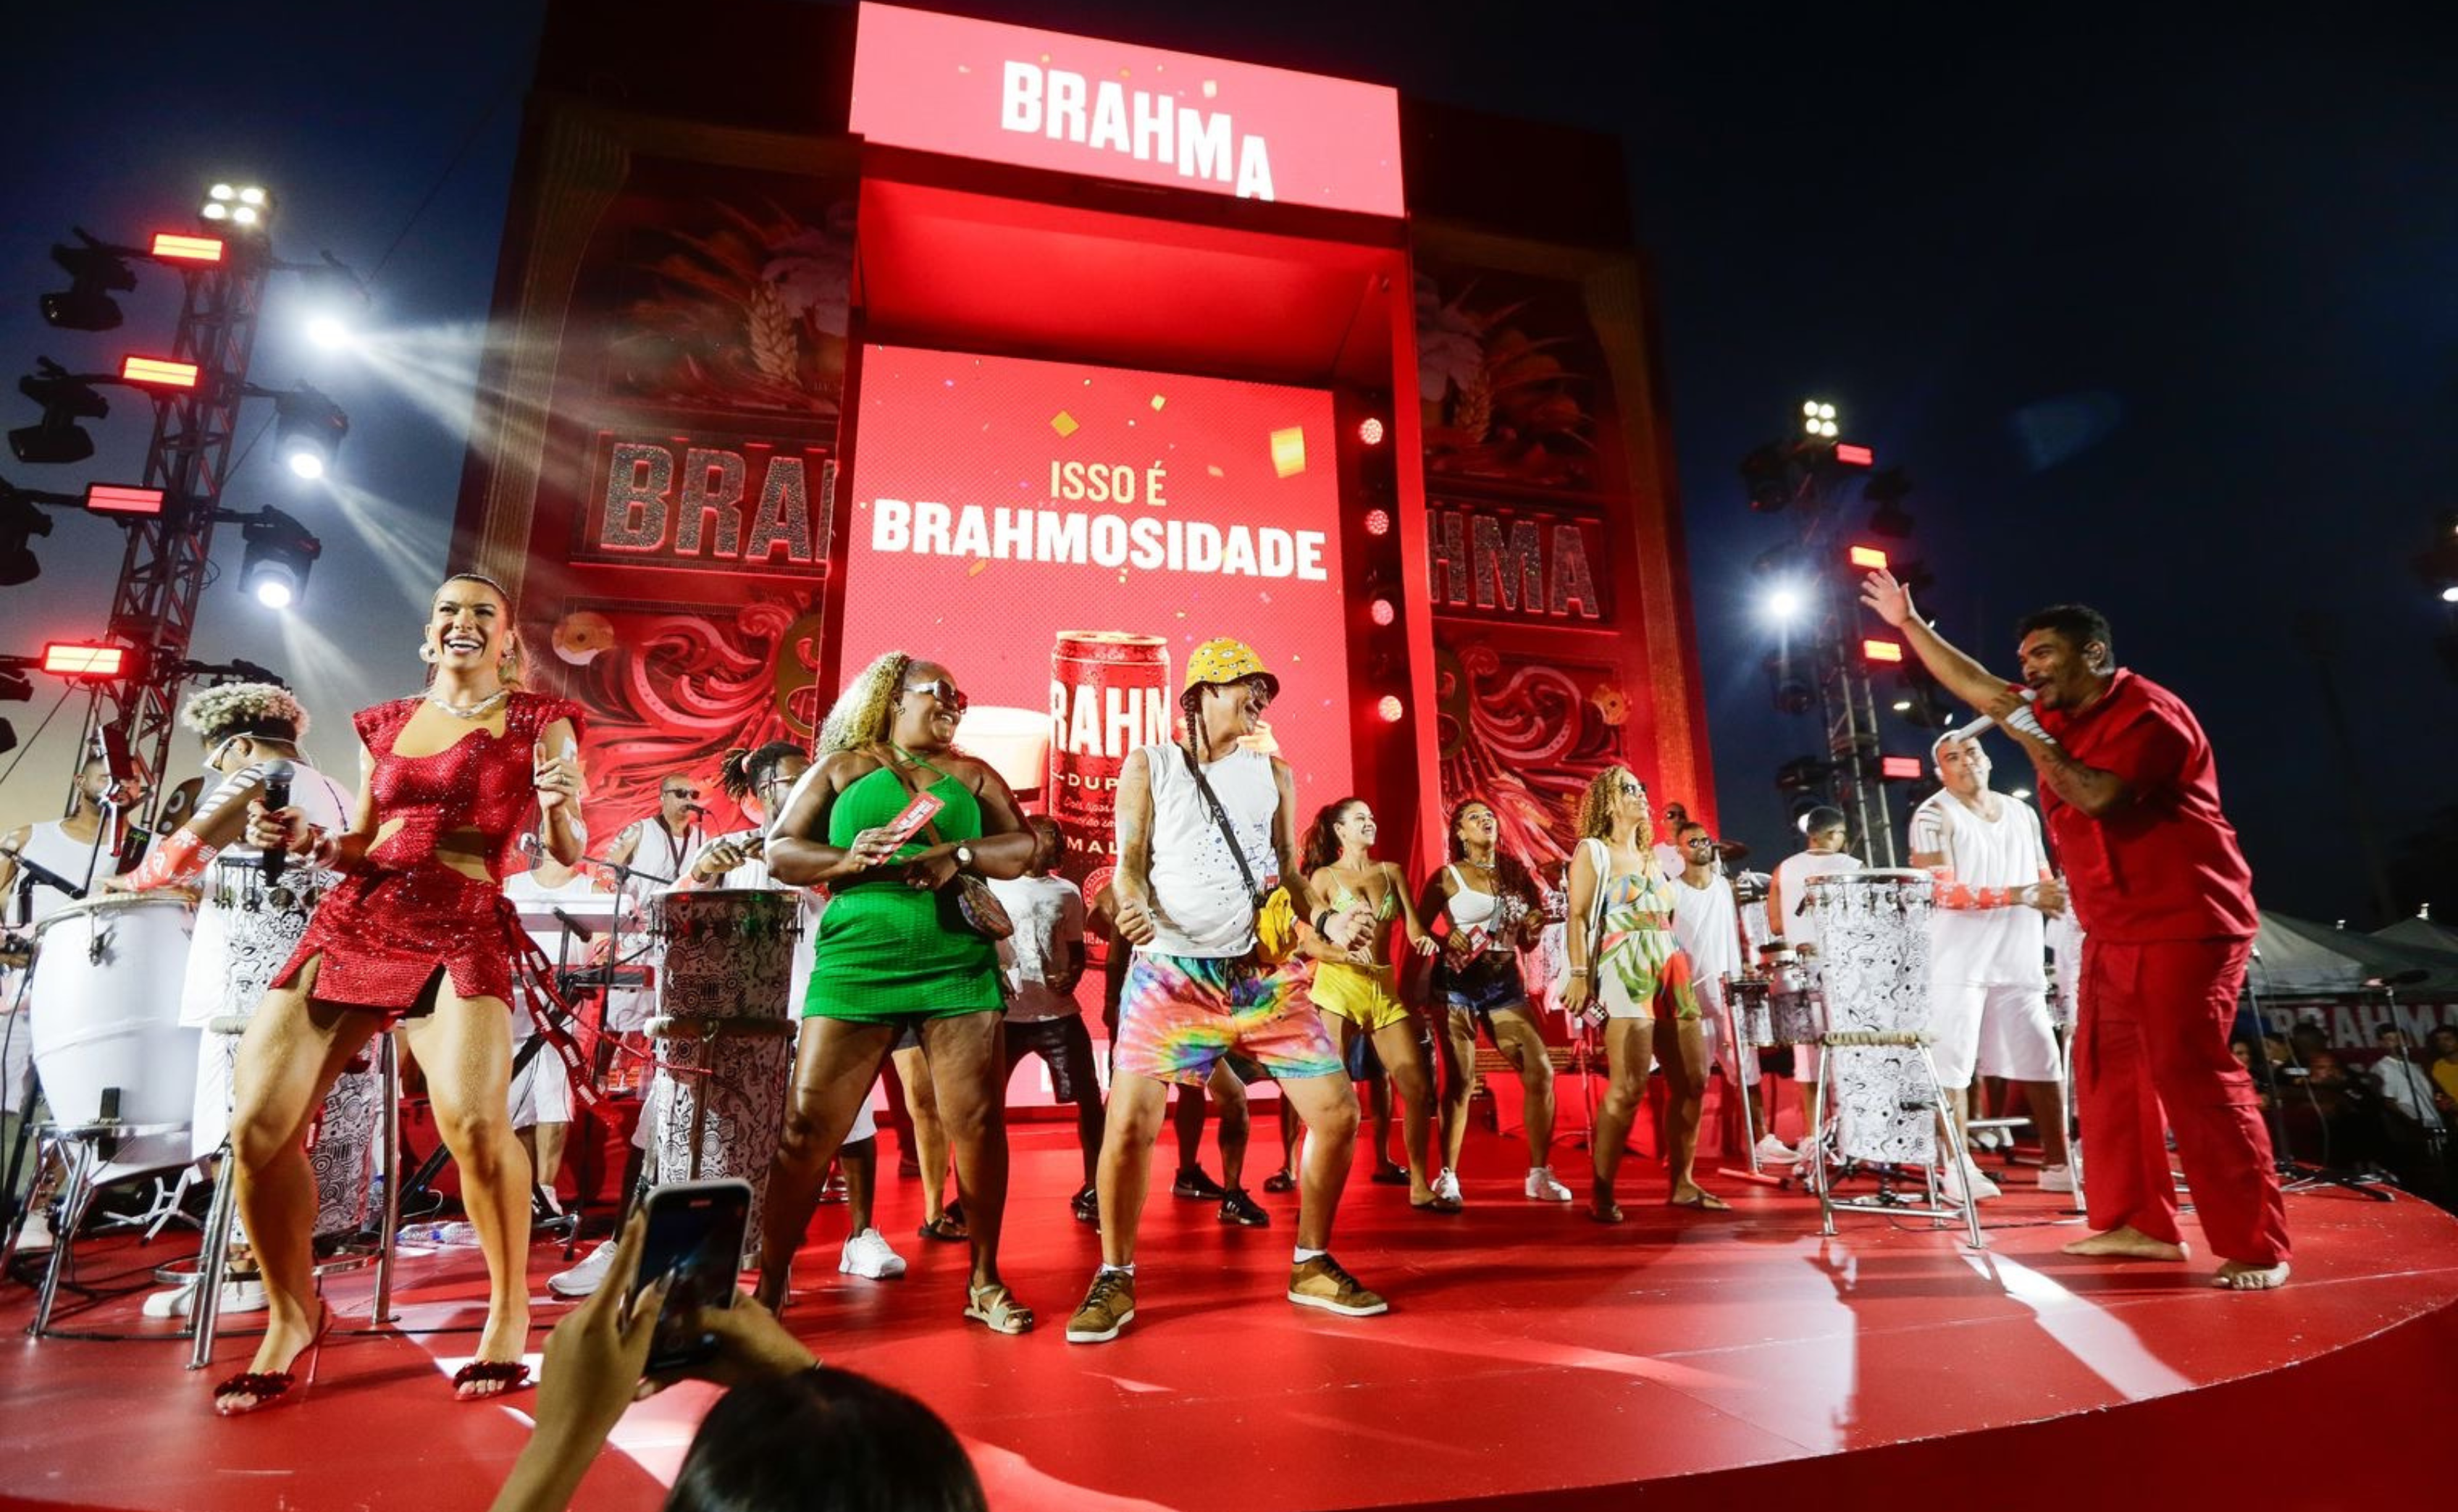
point(511, 1374)
point(260, 1389)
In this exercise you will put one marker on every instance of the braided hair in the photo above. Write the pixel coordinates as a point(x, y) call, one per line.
point(742, 770)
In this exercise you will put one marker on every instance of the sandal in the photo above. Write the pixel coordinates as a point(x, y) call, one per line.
point(1280, 1181)
point(260, 1389)
point(945, 1229)
point(1702, 1201)
point(995, 1307)
point(505, 1376)
point(1389, 1176)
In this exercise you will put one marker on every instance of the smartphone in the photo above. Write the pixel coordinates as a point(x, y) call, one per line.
point(694, 1234)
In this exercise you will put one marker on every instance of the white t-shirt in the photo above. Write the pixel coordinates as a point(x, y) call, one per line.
point(1799, 926)
point(526, 892)
point(1669, 859)
point(1049, 915)
point(1707, 928)
point(1996, 946)
point(1201, 905)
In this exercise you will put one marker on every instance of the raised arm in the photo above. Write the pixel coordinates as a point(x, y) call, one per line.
point(561, 786)
point(1960, 675)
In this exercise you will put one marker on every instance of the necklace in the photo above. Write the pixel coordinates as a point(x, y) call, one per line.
point(475, 710)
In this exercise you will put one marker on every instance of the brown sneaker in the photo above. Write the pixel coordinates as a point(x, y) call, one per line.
point(1108, 1307)
point(1321, 1282)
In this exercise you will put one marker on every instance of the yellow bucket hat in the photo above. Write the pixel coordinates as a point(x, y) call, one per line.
point(1227, 660)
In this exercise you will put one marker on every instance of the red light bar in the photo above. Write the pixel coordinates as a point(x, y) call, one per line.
point(114, 498)
point(74, 660)
point(186, 249)
point(1900, 767)
point(1852, 456)
point(1882, 650)
point(157, 370)
point(1869, 556)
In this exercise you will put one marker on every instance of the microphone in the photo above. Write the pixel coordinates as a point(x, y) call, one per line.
point(575, 925)
point(696, 809)
point(277, 797)
point(2022, 719)
point(31, 870)
point(530, 846)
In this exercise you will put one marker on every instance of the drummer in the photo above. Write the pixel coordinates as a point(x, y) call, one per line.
point(1823, 831)
point(246, 926)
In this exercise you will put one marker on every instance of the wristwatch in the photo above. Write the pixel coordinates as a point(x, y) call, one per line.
point(964, 857)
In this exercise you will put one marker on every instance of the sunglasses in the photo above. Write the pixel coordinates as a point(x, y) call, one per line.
point(942, 692)
point(686, 793)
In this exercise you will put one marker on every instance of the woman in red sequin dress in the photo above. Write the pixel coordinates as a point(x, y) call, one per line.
point(417, 934)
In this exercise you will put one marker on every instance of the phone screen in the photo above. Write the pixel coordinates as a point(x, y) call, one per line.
point(694, 1234)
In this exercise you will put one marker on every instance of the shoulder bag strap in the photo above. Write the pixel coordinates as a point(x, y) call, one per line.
point(929, 826)
point(1220, 817)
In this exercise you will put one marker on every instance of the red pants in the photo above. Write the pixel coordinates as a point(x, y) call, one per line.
point(2155, 1023)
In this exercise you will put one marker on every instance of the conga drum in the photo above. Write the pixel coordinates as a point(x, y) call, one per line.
point(724, 1032)
point(1873, 932)
point(108, 1043)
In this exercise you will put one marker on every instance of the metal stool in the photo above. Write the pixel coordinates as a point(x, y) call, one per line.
point(1835, 1043)
point(213, 1261)
point(77, 1147)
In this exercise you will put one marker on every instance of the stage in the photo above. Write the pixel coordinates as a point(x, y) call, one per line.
point(1530, 1359)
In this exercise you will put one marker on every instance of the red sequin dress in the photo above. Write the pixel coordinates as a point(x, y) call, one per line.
point(400, 914)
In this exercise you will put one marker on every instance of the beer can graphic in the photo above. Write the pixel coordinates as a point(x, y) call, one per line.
point(1109, 692)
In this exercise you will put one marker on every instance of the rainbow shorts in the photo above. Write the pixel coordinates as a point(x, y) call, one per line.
point(1178, 1015)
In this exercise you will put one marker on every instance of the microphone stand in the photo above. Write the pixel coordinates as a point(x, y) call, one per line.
point(2293, 1172)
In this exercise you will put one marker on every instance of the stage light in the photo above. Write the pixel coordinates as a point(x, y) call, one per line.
point(307, 431)
point(1785, 686)
point(1783, 604)
point(1900, 768)
point(1804, 774)
point(114, 498)
point(1369, 430)
point(2449, 594)
point(1869, 557)
point(328, 332)
point(157, 372)
point(246, 205)
point(1381, 612)
point(1818, 420)
point(21, 520)
point(95, 273)
point(279, 555)
point(1390, 709)
point(1768, 478)
point(81, 661)
point(1378, 521)
point(2025, 794)
point(1902, 706)
point(171, 248)
point(1888, 652)
point(1853, 456)
point(66, 398)
point(216, 212)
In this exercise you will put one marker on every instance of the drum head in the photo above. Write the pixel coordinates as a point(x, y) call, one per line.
point(106, 907)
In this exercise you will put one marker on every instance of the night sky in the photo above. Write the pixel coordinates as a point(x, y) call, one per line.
point(2159, 317)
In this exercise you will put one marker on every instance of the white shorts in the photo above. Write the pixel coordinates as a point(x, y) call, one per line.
point(542, 1090)
point(1998, 1029)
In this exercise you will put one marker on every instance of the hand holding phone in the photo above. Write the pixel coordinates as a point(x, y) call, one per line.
point(693, 1245)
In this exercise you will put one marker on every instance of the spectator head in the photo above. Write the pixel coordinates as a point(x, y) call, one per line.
point(2444, 1041)
point(823, 1441)
point(2242, 1050)
point(1050, 846)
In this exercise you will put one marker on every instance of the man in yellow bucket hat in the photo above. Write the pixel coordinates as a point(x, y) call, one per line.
point(1206, 826)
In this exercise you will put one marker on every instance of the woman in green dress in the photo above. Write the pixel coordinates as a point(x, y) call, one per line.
point(894, 952)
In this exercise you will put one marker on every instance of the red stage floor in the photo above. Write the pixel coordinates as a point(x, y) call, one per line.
point(1530, 1359)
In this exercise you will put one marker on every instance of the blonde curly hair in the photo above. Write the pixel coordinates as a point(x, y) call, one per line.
point(862, 713)
point(1595, 807)
point(263, 709)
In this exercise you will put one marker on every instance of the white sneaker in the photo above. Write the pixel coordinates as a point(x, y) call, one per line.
point(1447, 1186)
point(587, 1276)
point(1774, 1151)
point(1543, 1187)
point(238, 1296)
point(2056, 1178)
point(1952, 1181)
point(867, 1255)
point(1992, 1139)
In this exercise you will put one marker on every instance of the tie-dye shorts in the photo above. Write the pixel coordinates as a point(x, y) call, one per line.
point(1178, 1015)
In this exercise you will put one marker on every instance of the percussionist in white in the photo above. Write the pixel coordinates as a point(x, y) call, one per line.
point(1989, 982)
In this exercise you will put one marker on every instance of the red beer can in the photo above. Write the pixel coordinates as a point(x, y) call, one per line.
point(1109, 692)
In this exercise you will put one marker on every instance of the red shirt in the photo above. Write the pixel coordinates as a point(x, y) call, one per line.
point(2166, 866)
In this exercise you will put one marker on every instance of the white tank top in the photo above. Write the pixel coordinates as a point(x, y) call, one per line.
point(1200, 907)
point(1470, 908)
point(49, 847)
point(1993, 945)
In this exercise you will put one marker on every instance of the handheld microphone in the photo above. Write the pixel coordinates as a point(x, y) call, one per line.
point(695, 808)
point(530, 846)
point(277, 797)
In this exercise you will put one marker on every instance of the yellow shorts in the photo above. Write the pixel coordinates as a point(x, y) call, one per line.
point(1366, 996)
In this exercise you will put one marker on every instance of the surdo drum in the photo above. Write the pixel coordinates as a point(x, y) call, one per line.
point(724, 1033)
point(105, 990)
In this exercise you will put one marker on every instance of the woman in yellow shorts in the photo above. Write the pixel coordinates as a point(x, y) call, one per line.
point(1358, 990)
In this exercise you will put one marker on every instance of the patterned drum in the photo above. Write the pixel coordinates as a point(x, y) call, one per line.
point(1109, 692)
point(105, 995)
point(1873, 931)
point(1746, 999)
point(724, 1033)
point(1796, 1014)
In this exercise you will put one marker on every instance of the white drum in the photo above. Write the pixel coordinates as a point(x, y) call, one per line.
point(1873, 934)
point(106, 987)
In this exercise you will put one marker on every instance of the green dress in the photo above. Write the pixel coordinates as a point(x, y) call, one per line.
point(888, 953)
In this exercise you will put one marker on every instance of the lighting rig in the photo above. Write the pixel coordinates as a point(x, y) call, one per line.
point(196, 388)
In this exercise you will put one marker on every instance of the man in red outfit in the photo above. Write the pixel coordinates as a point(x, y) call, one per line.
point(2165, 900)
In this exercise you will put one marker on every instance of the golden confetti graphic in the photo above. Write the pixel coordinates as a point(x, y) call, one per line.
point(1214, 469)
point(975, 570)
point(1288, 451)
point(1211, 88)
point(1158, 400)
point(1064, 424)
